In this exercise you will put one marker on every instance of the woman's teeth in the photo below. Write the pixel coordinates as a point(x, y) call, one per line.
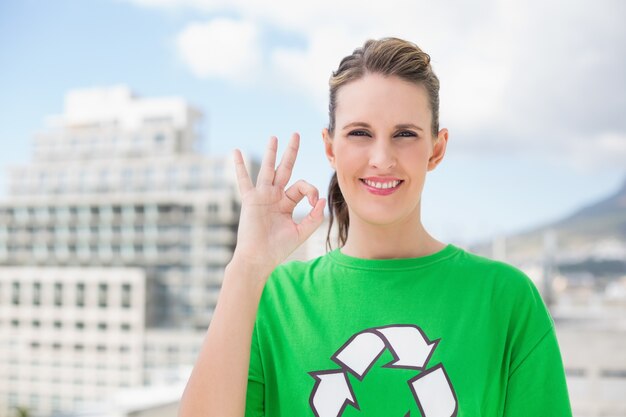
point(381, 185)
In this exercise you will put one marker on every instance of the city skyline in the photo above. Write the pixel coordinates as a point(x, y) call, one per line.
point(113, 242)
point(536, 126)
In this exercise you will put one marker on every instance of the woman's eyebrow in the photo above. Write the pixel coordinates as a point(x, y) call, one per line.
point(356, 124)
point(409, 126)
point(398, 126)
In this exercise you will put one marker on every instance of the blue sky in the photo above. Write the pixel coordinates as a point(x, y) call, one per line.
point(534, 101)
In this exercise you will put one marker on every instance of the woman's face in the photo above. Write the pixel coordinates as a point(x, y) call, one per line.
point(383, 147)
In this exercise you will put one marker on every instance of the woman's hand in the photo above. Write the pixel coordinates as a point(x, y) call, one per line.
point(267, 234)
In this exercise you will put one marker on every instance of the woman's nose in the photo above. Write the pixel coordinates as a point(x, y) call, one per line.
point(382, 154)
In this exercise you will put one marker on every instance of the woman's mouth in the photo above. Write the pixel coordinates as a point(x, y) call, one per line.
point(381, 187)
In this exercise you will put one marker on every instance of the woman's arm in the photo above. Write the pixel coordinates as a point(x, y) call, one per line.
point(267, 234)
point(217, 386)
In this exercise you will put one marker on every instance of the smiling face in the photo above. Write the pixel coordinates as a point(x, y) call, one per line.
point(382, 148)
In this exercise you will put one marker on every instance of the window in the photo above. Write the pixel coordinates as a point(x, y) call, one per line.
point(56, 403)
point(194, 176)
point(37, 293)
point(58, 294)
point(80, 295)
point(575, 372)
point(102, 326)
point(172, 175)
point(148, 177)
point(63, 213)
point(128, 251)
point(83, 213)
point(42, 213)
point(159, 138)
point(126, 295)
point(613, 373)
point(213, 208)
point(128, 212)
point(102, 295)
point(15, 296)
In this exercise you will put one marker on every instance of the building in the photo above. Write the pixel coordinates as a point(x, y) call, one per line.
point(69, 335)
point(117, 205)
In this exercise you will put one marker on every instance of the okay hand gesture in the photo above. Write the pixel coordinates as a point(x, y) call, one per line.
point(267, 232)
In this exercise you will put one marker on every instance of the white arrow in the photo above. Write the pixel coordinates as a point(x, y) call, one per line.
point(433, 393)
point(409, 345)
point(360, 353)
point(331, 394)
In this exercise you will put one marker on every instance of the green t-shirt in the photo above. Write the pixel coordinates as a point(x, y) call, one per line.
point(448, 334)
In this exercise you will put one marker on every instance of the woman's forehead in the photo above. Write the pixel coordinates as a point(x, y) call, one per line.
point(380, 99)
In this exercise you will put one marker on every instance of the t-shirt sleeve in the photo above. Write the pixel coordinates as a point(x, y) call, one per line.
point(536, 379)
point(537, 385)
point(255, 393)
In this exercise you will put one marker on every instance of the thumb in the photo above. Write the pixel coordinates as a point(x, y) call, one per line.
point(312, 221)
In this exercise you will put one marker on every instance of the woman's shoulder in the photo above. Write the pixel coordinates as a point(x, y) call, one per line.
point(291, 278)
point(489, 267)
point(296, 268)
point(510, 281)
point(503, 278)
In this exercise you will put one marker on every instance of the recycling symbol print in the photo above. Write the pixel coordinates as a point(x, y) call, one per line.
point(431, 388)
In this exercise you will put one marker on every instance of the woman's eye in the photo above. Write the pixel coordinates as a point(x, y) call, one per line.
point(406, 133)
point(358, 133)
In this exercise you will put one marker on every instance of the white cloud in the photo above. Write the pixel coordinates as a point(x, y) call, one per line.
point(222, 48)
point(517, 75)
point(309, 70)
point(592, 153)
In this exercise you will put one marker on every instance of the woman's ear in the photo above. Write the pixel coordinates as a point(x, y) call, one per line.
point(439, 149)
point(328, 147)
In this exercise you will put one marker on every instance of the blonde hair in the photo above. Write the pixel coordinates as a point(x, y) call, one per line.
point(389, 57)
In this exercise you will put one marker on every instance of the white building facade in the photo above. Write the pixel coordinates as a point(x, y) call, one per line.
point(69, 335)
point(117, 195)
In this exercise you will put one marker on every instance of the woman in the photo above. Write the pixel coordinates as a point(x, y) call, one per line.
point(393, 322)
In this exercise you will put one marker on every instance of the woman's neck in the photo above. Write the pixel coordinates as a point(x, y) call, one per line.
point(401, 240)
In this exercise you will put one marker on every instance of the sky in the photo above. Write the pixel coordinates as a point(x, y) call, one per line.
point(532, 92)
